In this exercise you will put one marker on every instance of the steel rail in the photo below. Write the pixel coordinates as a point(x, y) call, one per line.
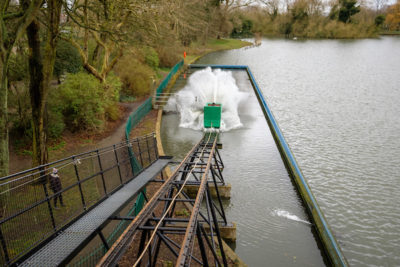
point(191, 227)
point(171, 205)
point(121, 245)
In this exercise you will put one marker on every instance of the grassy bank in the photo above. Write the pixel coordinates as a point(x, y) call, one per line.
point(198, 50)
point(390, 33)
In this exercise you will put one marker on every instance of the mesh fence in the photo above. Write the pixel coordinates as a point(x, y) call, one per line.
point(145, 108)
point(165, 82)
point(35, 204)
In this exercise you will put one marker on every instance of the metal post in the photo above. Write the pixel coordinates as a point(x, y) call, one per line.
point(140, 152)
point(119, 168)
point(201, 246)
point(217, 262)
point(208, 220)
point(219, 169)
point(165, 239)
point(221, 248)
point(219, 156)
point(141, 245)
point(157, 247)
point(148, 149)
point(155, 146)
point(4, 246)
point(79, 185)
point(131, 157)
point(149, 249)
point(103, 239)
point(46, 193)
point(222, 212)
point(101, 172)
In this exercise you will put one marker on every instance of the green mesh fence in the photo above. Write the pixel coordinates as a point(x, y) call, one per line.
point(137, 116)
point(98, 252)
point(143, 110)
point(165, 82)
point(133, 120)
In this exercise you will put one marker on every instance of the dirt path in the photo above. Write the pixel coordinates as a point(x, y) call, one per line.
point(119, 133)
point(78, 143)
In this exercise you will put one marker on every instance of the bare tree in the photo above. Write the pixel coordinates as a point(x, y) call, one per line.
point(112, 25)
point(272, 7)
point(379, 4)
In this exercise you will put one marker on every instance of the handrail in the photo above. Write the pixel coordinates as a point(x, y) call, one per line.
point(29, 215)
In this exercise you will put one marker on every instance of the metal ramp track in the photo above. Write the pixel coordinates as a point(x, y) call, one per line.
point(155, 235)
point(67, 243)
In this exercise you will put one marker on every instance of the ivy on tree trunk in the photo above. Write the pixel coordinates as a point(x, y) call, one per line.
point(12, 26)
point(41, 68)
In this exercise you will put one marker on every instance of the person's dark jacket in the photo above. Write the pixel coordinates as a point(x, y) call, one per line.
point(55, 183)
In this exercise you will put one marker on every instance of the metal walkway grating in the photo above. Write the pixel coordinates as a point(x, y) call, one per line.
point(58, 250)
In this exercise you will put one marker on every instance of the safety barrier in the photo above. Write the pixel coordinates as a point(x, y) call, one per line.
point(166, 80)
point(133, 120)
point(36, 205)
point(145, 108)
point(329, 242)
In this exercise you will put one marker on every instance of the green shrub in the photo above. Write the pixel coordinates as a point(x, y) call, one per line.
point(151, 57)
point(85, 103)
point(67, 59)
point(168, 56)
point(379, 20)
point(137, 77)
point(19, 108)
point(111, 90)
point(55, 122)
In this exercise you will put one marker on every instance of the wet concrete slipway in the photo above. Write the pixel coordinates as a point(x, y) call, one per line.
point(273, 228)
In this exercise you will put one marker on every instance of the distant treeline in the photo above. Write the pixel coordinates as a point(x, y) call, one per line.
point(315, 19)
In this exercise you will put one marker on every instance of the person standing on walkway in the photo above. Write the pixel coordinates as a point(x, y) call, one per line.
point(55, 186)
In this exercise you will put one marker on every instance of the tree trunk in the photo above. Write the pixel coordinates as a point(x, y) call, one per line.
point(4, 156)
point(41, 73)
point(39, 151)
point(10, 33)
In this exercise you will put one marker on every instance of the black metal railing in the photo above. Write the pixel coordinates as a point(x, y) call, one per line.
point(30, 208)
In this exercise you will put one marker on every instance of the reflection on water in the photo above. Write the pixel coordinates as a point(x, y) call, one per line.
point(260, 188)
point(337, 103)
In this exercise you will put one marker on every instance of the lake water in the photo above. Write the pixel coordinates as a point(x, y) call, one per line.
point(338, 105)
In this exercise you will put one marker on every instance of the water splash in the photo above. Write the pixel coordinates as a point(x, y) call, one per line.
point(287, 215)
point(208, 86)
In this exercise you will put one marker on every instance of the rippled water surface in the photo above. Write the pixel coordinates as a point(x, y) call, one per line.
point(338, 105)
point(272, 226)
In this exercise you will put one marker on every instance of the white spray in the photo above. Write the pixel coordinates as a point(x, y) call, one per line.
point(287, 215)
point(208, 86)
